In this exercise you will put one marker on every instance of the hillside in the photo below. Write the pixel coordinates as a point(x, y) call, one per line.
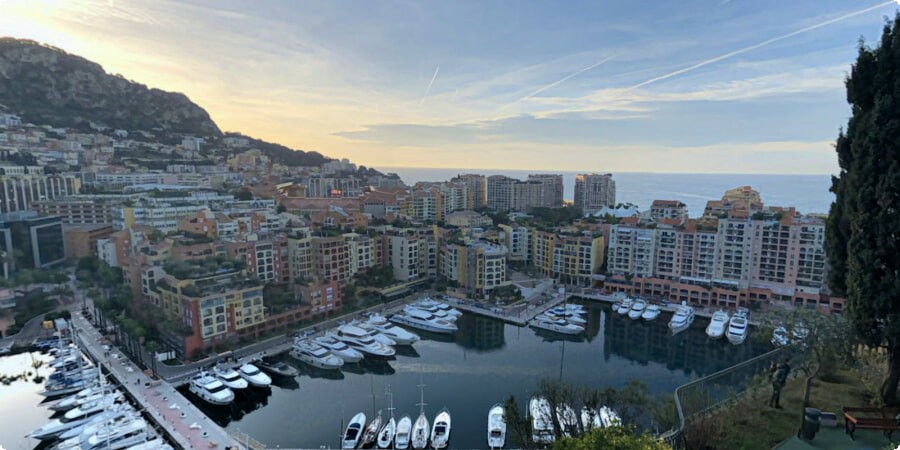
point(46, 85)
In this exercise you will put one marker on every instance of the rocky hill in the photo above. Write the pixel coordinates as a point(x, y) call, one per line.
point(46, 85)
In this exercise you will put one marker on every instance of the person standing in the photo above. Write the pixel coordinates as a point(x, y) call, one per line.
point(779, 374)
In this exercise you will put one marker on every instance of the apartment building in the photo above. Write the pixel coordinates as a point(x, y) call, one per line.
point(569, 258)
point(23, 192)
point(468, 219)
point(331, 259)
point(267, 257)
point(478, 267)
point(552, 189)
point(668, 209)
point(517, 241)
point(593, 192)
point(77, 211)
point(362, 252)
point(406, 258)
point(509, 194)
point(476, 189)
point(28, 241)
point(161, 216)
point(80, 241)
point(301, 255)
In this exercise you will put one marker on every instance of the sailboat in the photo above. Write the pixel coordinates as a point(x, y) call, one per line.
point(404, 428)
point(386, 436)
point(420, 427)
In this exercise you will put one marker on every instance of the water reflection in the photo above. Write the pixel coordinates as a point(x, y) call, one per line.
point(377, 366)
point(245, 402)
point(480, 333)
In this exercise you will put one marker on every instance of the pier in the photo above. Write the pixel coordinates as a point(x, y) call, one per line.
point(518, 314)
point(176, 417)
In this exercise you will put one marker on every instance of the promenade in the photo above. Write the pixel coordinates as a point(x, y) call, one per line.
point(180, 421)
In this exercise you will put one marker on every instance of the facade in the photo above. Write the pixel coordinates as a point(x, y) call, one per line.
point(509, 194)
point(22, 192)
point(478, 267)
point(468, 219)
point(668, 209)
point(80, 241)
point(404, 255)
point(476, 190)
point(163, 217)
point(571, 259)
point(552, 189)
point(593, 192)
point(28, 241)
point(331, 259)
point(77, 211)
point(267, 258)
point(517, 241)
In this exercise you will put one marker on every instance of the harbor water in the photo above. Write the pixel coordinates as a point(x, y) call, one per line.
point(485, 362)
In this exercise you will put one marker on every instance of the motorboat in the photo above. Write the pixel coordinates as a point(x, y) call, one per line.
point(568, 421)
point(625, 306)
point(718, 324)
point(556, 324)
point(229, 377)
point(424, 320)
point(353, 431)
point(404, 430)
point(359, 339)
point(88, 409)
point(80, 397)
point(311, 353)
point(78, 371)
point(738, 327)
point(682, 319)
point(781, 337)
point(109, 435)
point(650, 313)
point(428, 304)
point(111, 417)
point(378, 336)
point(386, 435)
point(496, 435)
point(608, 417)
point(98, 396)
point(54, 428)
point(569, 316)
point(153, 444)
point(542, 431)
point(440, 430)
point(590, 419)
point(278, 368)
point(254, 376)
point(210, 389)
point(437, 312)
point(420, 431)
point(370, 433)
point(339, 348)
point(637, 309)
point(400, 335)
point(576, 308)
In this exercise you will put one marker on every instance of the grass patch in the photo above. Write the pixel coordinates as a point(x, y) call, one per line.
point(750, 424)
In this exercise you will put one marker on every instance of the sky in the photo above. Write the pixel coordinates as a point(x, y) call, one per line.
point(692, 86)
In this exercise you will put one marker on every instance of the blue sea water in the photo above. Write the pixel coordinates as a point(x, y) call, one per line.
point(808, 193)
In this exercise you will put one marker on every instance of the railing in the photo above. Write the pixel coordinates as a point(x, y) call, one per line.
point(248, 442)
point(705, 393)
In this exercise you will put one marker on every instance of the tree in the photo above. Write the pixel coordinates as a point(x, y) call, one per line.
point(612, 438)
point(243, 195)
point(861, 242)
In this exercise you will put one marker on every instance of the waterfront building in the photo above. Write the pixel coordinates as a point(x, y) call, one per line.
point(569, 258)
point(301, 255)
point(478, 267)
point(593, 192)
point(404, 255)
point(28, 241)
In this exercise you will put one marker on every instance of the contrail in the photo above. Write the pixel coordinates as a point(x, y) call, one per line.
point(563, 79)
point(761, 44)
point(428, 89)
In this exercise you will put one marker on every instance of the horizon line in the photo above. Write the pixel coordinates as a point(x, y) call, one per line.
point(463, 169)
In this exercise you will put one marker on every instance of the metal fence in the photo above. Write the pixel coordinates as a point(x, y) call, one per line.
point(705, 393)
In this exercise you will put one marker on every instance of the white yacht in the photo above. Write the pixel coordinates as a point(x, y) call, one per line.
point(373, 333)
point(651, 313)
point(121, 415)
point(229, 377)
point(404, 430)
point(625, 306)
point(153, 444)
point(75, 372)
point(82, 396)
point(781, 337)
point(556, 324)
point(210, 389)
point(682, 319)
point(568, 421)
point(353, 431)
point(717, 324)
point(542, 431)
point(738, 327)
point(424, 320)
point(94, 406)
point(54, 428)
point(608, 417)
point(359, 339)
point(386, 435)
point(576, 308)
point(315, 355)
point(496, 435)
point(254, 376)
point(590, 419)
point(400, 335)
point(66, 387)
point(420, 432)
point(133, 433)
point(440, 431)
point(637, 309)
point(429, 304)
point(569, 316)
point(339, 348)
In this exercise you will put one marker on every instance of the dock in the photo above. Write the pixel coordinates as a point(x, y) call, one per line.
point(705, 312)
point(517, 314)
point(175, 416)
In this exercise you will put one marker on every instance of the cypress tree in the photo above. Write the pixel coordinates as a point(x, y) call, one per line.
point(863, 230)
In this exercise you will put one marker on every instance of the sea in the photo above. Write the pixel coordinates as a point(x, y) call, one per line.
point(807, 193)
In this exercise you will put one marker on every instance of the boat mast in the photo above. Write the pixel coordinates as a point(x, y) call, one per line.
point(391, 409)
point(421, 403)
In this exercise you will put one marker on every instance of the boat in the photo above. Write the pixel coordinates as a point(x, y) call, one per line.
point(576, 308)
point(229, 377)
point(353, 431)
point(608, 417)
point(625, 306)
point(278, 368)
point(359, 339)
point(153, 444)
point(210, 389)
point(400, 335)
point(75, 372)
point(254, 376)
point(440, 431)
point(637, 309)
point(428, 304)
point(424, 320)
point(436, 312)
point(738, 327)
point(339, 348)
point(386, 435)
point(556, 324)
point(122, 415)
point(496, 435)
point(780, 334)
point(315, 355)
point(80, 397)
point(651, 313)
point(54, 428)
point(590, 419)
point(133, 433)
point(718, 324)
point(682, 319)
point(94, 406)
point(568, 421)
point(404, 430)
point(569, 316)
point(370, 433)
point(542, 431)
point(378, 336)
point(420, 428)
